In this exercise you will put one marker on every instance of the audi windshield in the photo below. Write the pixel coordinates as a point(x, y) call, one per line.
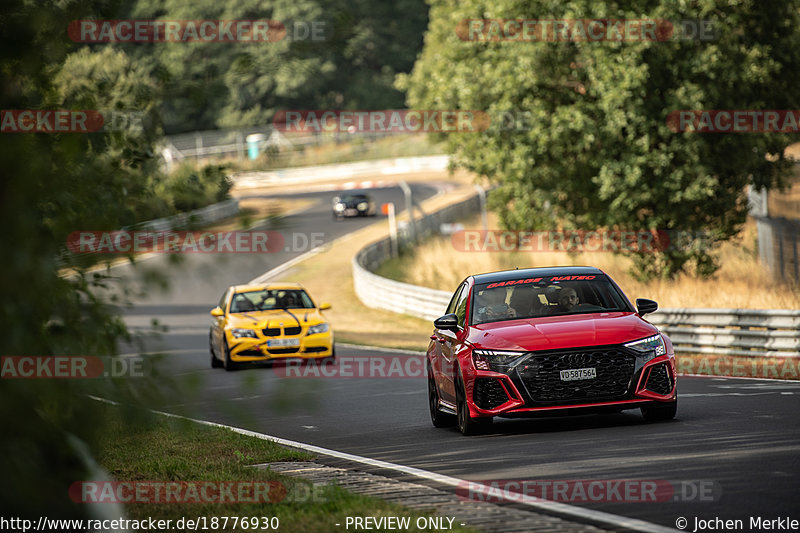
point(545, 296)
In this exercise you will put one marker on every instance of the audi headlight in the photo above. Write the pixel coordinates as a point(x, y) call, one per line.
point(338, 207)
point(362, 206)
point(319, 328)
point(494, 359)
point(651, 347)
point(241, 332)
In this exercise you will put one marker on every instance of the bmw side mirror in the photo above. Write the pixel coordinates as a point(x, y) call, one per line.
point(644, 306)
point(447, 322)
point(217, 311)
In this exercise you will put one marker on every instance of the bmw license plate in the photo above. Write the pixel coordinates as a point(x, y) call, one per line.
point(578, 373)
point(283, 342)
point(351, 212)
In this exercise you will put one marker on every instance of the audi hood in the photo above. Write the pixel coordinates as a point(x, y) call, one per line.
point(560, 332)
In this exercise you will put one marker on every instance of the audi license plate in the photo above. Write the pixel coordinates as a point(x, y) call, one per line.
point(578, 373)
point(283, 342)
point(351, 212)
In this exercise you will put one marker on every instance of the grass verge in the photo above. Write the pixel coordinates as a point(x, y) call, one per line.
point(174, 450)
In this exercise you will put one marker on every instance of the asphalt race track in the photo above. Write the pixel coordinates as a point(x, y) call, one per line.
point(732, 452)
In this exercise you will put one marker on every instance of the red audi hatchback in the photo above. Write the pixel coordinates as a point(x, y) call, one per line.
point(561, 340)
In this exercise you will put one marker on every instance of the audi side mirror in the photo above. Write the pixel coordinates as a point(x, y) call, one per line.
point(644, 306)
point(447, 322)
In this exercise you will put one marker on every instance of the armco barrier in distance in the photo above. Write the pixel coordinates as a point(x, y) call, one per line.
point(747, 332)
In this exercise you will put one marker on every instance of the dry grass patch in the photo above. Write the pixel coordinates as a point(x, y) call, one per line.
point(741, 282)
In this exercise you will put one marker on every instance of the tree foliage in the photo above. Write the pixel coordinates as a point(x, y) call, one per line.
point(212, 85)
point(593, 148)
point(54, 184)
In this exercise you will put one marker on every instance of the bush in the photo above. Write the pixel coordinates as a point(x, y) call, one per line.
point(189, 188)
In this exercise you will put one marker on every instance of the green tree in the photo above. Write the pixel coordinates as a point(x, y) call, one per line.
point(54, 184)
point(211, 85)
point(593, 148)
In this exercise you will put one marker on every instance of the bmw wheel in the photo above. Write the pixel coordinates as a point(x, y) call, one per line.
point(215, 363)
point(229, 364)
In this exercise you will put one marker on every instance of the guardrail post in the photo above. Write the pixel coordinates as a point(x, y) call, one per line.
point(392, 228)
point(410, 210)
point(484, 216)
point(198, 145)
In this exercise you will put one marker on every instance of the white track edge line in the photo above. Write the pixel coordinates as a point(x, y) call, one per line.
point(561, 510)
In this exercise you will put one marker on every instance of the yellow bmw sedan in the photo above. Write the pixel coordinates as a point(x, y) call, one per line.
point(267, 322)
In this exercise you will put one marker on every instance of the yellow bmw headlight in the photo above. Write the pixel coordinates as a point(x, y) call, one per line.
point(318, 328)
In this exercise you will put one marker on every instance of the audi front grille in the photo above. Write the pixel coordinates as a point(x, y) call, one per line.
point(540, 374)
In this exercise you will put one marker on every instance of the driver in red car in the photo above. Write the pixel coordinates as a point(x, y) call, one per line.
point(491, 305)
point(567, 300)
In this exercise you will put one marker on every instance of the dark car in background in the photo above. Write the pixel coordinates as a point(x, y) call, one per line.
point(353, 205)
point(557, 341)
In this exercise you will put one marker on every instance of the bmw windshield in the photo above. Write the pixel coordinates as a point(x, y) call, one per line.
point(266, 300)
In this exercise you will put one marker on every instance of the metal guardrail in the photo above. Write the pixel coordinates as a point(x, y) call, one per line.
point(759, 332)
point(205, 215)
point(232, 142)
point(748, 332)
